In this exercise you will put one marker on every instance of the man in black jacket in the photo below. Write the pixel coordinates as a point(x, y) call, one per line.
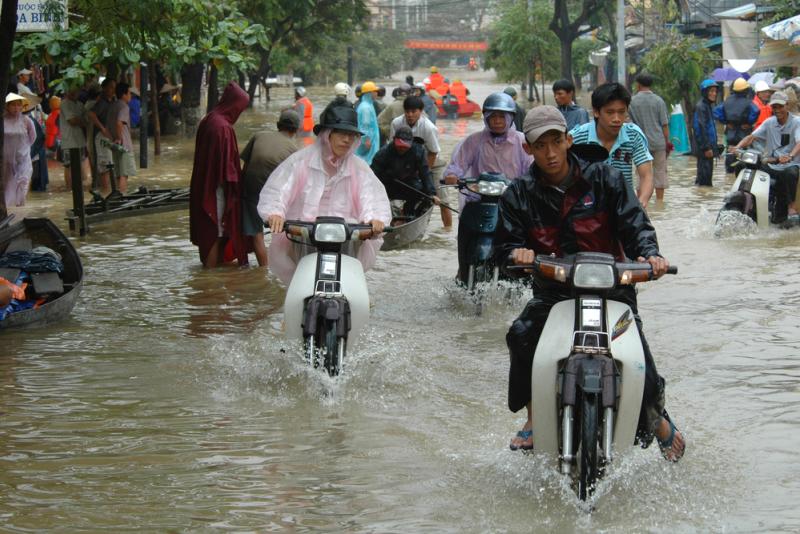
point(563, 206)
point(402, 167)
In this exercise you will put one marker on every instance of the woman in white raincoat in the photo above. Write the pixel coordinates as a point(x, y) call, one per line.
point(18, 136)
point(324, 179)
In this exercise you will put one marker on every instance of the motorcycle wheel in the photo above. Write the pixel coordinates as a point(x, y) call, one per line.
point(590, 436)
point(331, 350)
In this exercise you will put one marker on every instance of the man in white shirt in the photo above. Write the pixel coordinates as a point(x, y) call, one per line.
point(422, 128)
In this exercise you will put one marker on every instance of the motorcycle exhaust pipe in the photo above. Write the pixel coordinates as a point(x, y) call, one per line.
point(608, 432)
point(566, 441)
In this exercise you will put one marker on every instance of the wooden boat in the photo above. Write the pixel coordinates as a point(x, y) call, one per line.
point(405, 231)
point(42, 232)
point(143, 201)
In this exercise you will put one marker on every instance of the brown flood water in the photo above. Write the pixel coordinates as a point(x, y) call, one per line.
point(164, 403)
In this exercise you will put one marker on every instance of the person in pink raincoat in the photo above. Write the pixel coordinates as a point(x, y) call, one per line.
point(324, 179)
point(496, 148)
point(18, 136)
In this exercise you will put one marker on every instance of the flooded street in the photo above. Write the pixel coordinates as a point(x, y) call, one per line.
point(165, 402)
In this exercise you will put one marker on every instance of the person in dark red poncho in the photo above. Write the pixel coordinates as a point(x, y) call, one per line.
point(215, 207)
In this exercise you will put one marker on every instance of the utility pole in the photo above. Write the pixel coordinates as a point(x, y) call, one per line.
point(394, 16)
point(621, 69)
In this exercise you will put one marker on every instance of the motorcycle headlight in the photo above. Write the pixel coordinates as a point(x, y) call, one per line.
point(593, 276)
point(492, 189)
point(749, 157)
point(330, 233)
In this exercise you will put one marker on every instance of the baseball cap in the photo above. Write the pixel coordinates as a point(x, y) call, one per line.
point(27, 72)
point(778, 97)
point(541, 120)
point(403, 137)
point(290, 119)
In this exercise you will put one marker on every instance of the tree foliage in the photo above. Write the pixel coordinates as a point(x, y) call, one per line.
point(573, 18)
point(517, 41)
point(678, 65)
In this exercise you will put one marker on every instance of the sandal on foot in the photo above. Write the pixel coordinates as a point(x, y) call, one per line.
point(525, 435)
point(666, 445)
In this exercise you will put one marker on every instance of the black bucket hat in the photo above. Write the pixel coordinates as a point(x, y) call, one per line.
point(342, 118)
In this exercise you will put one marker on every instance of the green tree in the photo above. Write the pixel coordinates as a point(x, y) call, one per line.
point(678, 65)
point(298, 26)
point(517, 42)
point(571, 19)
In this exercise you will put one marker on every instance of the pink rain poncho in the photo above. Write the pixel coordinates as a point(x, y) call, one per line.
point(19, 135)
point(312, 183)
point(484, 152)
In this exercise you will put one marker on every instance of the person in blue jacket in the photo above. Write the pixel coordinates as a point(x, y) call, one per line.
point(368, 123)
point(738, 113)
point(705, 133)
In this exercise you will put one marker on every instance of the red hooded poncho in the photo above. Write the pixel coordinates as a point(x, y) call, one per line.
point(216, 163)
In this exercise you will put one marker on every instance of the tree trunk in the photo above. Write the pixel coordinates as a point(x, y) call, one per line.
point(191, 95)
point(8, 28)
point(260, 74)
point(154, 107)
point(688, 117)
point(213, 90)
point(566, 54)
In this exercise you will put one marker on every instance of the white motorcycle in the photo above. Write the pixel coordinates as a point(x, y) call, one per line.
point(750, 193)
point(588, 370)
point(327, 303)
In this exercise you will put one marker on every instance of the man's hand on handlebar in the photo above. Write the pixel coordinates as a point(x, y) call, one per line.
point(275, 223)
point(451, 179)
point(436, 200)
point(522, 256)
point(377, 227)
point(659, 264)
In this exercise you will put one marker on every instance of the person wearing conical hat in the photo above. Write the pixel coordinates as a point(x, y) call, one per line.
point(18, 137)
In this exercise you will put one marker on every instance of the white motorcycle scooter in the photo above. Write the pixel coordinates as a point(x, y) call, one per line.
point(327, 303)
point(588, 370)
point(750, 193)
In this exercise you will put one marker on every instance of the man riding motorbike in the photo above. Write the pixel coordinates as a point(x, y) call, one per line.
point(781, 133)
point(566, 205)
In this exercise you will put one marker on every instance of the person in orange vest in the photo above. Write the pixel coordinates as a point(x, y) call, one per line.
point(304, 108)
point(51, 133)
point(761, 100)
point(459, 90)
point(436, 79)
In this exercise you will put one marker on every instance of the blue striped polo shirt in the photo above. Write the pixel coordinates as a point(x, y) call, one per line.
point(629, 149)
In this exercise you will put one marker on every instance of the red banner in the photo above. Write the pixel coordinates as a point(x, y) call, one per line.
point(477, 46)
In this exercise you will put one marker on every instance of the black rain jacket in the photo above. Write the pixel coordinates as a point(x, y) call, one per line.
point(599, 212)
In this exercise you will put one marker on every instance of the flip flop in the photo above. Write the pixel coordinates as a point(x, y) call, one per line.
point(666, 445)
point(524, 434)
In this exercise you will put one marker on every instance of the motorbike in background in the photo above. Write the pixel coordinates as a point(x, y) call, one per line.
point(476, 226)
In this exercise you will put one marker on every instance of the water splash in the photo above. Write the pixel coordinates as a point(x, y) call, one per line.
point(732, 224)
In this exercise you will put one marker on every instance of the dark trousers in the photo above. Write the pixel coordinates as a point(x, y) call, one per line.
point(785, 191)
point(705, 168)
point(524, 334)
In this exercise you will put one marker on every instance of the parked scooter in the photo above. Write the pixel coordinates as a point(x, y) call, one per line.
point(588, 373)
point(750, 193)
point(476, 225)
point(327, 303)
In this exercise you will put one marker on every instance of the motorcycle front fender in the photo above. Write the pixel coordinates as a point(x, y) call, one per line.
point(555, 346)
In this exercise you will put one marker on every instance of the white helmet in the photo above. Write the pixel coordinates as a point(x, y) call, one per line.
point(300, 91)
point(341, 89)
point(426, 81)
point(761, 85)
